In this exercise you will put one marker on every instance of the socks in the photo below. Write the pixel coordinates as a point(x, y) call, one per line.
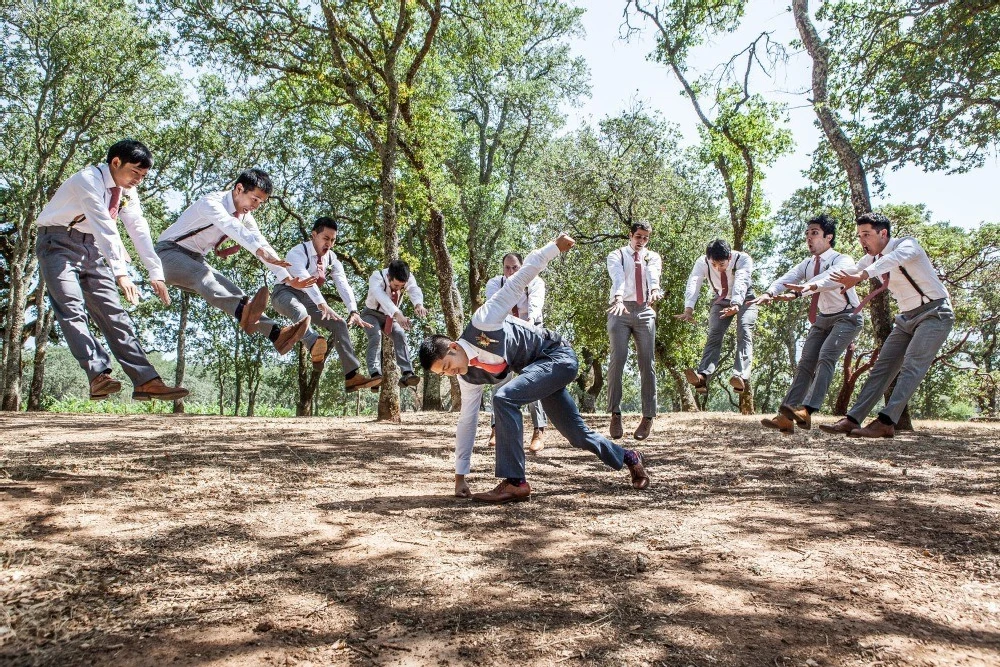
point(810, 410)
point(516, 481)
point(275, 332)
point(351, 374)
point(884, 418)
point(631, 458)
point(239, 309)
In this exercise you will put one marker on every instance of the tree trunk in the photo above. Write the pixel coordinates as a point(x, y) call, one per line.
point(388, 400)
point(590, 369)
point(12, 344)
point(181, 350)
point(432, 392)
point(308, 383)
point(683, 388)
point(43, 327)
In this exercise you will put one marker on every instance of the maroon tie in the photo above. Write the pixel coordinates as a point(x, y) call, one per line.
point(394, 295)
point(231, 250)
point(320, 271)
point(814, 302)
point(640, 293)
point(492, 369)
point(725, 287)
point(116, 197)
point(875, 292)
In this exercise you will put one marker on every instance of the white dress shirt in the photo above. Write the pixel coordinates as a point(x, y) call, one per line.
point(530, 305)
point(303, 260)
point(906, 253)
point(380, 299)
point(831, 300)
point(621, 268)
point(738, 274)
point(88, 193)
point(490, 317)
point(212, 218)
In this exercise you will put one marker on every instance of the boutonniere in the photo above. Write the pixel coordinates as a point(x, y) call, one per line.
point(485, 341)
point(123, 203)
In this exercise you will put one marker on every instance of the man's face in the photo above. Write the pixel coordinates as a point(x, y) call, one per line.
point(510, 266)
point(126, 174)
point(454, 362)
point(639, 239)
point(247, 201)
point(818, 242)
point(396, 285)
point(720, 265)
point(872, 240)
point(323, 240)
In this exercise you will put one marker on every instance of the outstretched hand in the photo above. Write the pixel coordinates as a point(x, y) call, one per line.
point(160, 290)
point(301, 283)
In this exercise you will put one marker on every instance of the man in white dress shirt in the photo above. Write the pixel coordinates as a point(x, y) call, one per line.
point(919, 331)
point(730, 274)
point(494, 345)
point(385, 294)
point(835, 325)
point(529, 309)
point(204, 227)
point(635, 285)
point(315, 259)
point(81, 257)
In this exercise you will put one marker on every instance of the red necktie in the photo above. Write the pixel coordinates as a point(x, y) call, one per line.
point(231, 250)
point(875, 292)
point(492, 369)
point(320, 271)
point(814, 302)
point(116, 197)
point(640, 293)
point(394, 295)
point(725, 287)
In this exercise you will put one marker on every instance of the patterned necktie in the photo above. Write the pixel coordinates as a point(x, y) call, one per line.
point(116, 197)
point(814, 302)
point(725, 287)
point(394, 295)
point(640, 293)
point(320, 271)
point(875, 292)
point(231, 250)
point(492, 369)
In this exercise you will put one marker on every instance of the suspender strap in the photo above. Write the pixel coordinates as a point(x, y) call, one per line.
point(306, 250)
point(923, 297)
point(76, 221)
point(708, 272)
point(385, 285)
point(191, 233)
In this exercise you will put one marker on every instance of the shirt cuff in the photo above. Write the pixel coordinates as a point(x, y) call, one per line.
point(550, 251)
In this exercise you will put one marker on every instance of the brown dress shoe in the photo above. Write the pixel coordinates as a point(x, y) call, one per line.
point(359, 382)
point(493, 437)
point(290, 335)
point(156, 389)
point(103, 386)
point(695, 379)
point(800, 416)
point(738, 383)
point(317, 353)
point(376, 387)
point(780, 422)
point(409, 380)
point(505, 493)
point(640, 478)
point(843, 425)
point(875, 429)
point(253, 310)
point(537, 441)
point(616, 427)
point(643, 429)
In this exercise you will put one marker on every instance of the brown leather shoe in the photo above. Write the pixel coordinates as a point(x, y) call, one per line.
point(289, 336)
point(800, 416)
point(738, 383)
point(643, 429)
point(156, 389)
point(640, 478)
point(253, 310)
point(616, 426)
point(505, 493)
point(103, 386)
point(843, 425)
point(493, 437)
point(875, 429)
point(359, 382)
point(537, 441)
point(377, 386)
point(409, 380)
point(318, 352)
point(695, 379)
point(780, 422)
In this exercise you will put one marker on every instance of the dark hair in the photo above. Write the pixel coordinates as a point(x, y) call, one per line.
point(399, 270)
point(718, 250)
point(827, 224)
point(130, 151)
point(641, 225)
point(255, 179)
point(876, 220)
point(324, 223)
point(432, 348)
point(520, 260)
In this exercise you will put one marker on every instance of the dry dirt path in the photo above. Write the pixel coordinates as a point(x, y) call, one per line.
point(217, 541)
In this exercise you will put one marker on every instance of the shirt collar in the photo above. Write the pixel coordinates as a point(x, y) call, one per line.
point(228, 204)
point(642, 252)
point(470, 350)
point(826, 255)
point(105, 170)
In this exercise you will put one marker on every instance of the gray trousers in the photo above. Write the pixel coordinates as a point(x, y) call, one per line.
point(827, 340)
point(637, 322)
point(746, 320)
point(80, 283)
point(535, 407)
point(545, 380)
point(189, 271)
point(374, 352)
point(296, 304)
point(908, 353)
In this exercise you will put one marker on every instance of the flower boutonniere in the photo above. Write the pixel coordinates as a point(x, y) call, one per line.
point(485, 341)
point(123, 203)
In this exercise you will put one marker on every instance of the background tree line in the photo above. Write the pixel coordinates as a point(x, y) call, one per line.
point(434, 131)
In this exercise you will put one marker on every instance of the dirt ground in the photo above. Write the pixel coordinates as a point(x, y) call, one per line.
point(160, 540)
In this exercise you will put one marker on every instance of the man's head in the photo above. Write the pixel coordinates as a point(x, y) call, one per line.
point(821, 234)
point(129, 161)
point(399, 273)
point(511, 264)
point(638, 236)
point(873, 232)
point(718, 253)
point(443, 356)
point(252, 189)
point(324, 235)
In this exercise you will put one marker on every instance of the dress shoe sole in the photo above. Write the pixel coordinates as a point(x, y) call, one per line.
point(502, 502)
point(372, 384)
point(254, 309)
point(411, 381)
point(318, 351)
point(855, 434)
point(738, 385)
point(770, 424)
point(833, 430)
point(164, 396)
point(101, 397)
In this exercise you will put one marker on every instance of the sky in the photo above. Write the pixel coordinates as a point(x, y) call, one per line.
point(621, 74)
